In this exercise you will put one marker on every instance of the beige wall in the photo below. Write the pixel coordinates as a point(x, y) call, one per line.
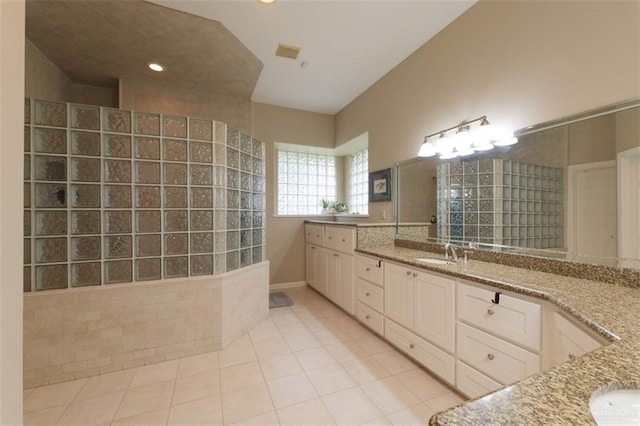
point(592, 140)
point(627, 130)
point(94, 95)
point(43, 79)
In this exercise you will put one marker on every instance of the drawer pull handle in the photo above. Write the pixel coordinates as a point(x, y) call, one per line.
point(496, 299)
point(490, 356)
point(367, 317)
point(367, 294)
point(343, 240)
point(368, 269)
point(491, 311)
point(415, 274)
point(572, 356)
point(412, 346)
point(408, 273)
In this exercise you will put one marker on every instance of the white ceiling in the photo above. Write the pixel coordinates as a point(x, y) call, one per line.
point(347, 44)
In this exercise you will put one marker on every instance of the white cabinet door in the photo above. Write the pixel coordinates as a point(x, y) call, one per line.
point(398, 294)
point(340, 279)
point(569, 341)
point(473, 383)
point(332, 275)
point(434, 309)
point(315, 268)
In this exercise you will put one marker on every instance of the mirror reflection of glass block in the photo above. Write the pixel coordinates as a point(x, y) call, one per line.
point(233, 219)
point(148, 196)
point(117, 196)
point(201, 152)
point(233, 261)
point(233, 199)
point(26, 223)
point(220, 198)
point(147, 172)
point(202, 265)
point(233, 137)
point(201, 175)
point(220, 220)
point(85, 143)
point(118, 246)
point(176, 244)
point(50, 168)
point(245, 238)
point(86, 274)
point(245, 257)
point(201, 130)
point(175, 267)
point(85, 117)
point(233, 240)
point(245, 200)
point(220, 154)
point(201, 198)
point(246, 162)
point(49, 250)
point(245, 142)
point(51, 277)
point(201, 220)
point(147, 124)
point(27, 110)
point(258, 184)
point(27, 139)
point(257, 149)
point(118, 171)
point(148, 245)
point(51, 223)
point(85, 169)
point(175, 174)
point(257, 237)
point(84, 222)
point(258, 166)
point(233, 158)
point(220, 242)
point(118, 146)
point(85, 248)
point(148, 221)
point(117, 120)
point(53, 141)
point(27, 167)
point(174, 127)
point(245, 181)
point(174, 150)
point(258, 202)
point(85, 196)
point(47, 195)
point(26, 251)
point(257, 220)
point(26, 279)
point(51, 114)
point(148, 148)
point(176, 220)
point(257, 255)
point(118, 271)
point(175, 197)
point(117, 222)
point(220, 176)
point(233, 178)
point(220, 263)
point(245, 219)
point(202, 242)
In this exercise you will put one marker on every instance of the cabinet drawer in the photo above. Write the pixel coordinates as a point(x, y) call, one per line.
point(569, 341)
point(369, 270)
point(314, 234)
point(435, 359)
point(370, 318)
point(371, 295)
point(473, 383)
point(497, 358)
point(341, 239)
point(514, 319)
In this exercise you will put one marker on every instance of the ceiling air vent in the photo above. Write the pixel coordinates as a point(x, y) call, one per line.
point(286, 51)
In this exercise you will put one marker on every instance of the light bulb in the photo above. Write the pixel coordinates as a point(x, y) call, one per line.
point(156, 66)
point(449, 156)
point(506, 141)
point(444, 144)
point(427, 150)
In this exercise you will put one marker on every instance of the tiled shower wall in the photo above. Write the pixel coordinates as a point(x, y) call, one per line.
point(115, 196)
point(501, 202)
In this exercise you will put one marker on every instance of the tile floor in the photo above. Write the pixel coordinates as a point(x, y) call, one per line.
point(308, 364)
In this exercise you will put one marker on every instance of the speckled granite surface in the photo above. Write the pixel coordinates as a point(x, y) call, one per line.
point(559, 396)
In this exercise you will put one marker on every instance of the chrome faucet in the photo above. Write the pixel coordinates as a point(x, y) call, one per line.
point(453, 252)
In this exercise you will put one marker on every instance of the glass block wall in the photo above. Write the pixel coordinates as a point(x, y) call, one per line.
point(501, 202)
point(114, 196)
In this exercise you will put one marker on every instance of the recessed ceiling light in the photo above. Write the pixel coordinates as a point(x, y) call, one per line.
point(267, 1)
point(156, 66)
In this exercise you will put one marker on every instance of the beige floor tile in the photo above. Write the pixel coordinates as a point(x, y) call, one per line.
point(312, 359)
point(269, 418)
point(312, 412)
point(95, 411)
point(393, 362)
point(203, 363)
point(155, 373)
point(239, 376)
point(241, 342)
point(198, 386)
point(381, 421)
point(422, 384)
point(331, 336)
point(351, 406)
point(236, 356)
point(316, 325)
point(445, 401)
point(343, 351)
point(364, 370)
point(205, 411)
point(145, 398)
point(264, 334)
point(105, 384)
point(389, 395)
point(292, 328)
point(53, 395)
point(48, 416)
point(280, 319)
point(329, 379)
point(152, 418)
point(245, 403)
point(280, 366)
point(301, 341)
point(26, 393)
point(416, 415)
point(290, 390)
point(374, 345)
point(271, 348)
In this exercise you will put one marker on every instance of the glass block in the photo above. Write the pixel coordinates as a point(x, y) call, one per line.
point(117, 196)
point(233, 137)
point(220, 176)
point(233, 219)
point(26, 251)
point(50, 168)
point(85, 248)
point(258, 184)
point(220, 242)
point(201, 130)
point(86, 274)
point(116, 120)
point(257, 237)
point(257, 255)
point(148, 245)
point(245, 142)
point(50, 250)
point(85, 143)
point(201, 175)
point(85, 196)
point(51, 277)
point(26, 279)
point(233, 158)
point(221, 132)
point(470, 180)
point(245, 257)
point(118, 271)
point(118, 146)
point(257, 220)
point(118, 246)
point(27, 110)
point(258, 201)
point(176, 244)
point(148, 221)
point(26, 223)
point(220, 154)
point(201, 198)
point(245, 219)
point(175, 127)
point(27, 167)
point(470, 167)
point(233, 240)
point(176, 220)
point(220, 220)
point(175, 174)
point(245, 238)
point(117, 222)
point(118, 171)
point(148, 148)
point(51, 222)
point(85, 222)
point(246, 181)
point(85, 169)
point(147, 196)
point(202, 265)
point(175, 197)
point(147, 124)
point(202, 242)
point(220, 263)
point(233, 199)
point(245, 200)
point(51, 114)
point(257, 149)
point(233, 261)
point(201, 152)
point(174, 150)
point(147, 172)
point(201, 220)
point(175, 267)
point(50, 140)
point(85, 117)
point(48, 195)
point(246, 162)
point(233, 178)
point(27, 139)
point(220, 198)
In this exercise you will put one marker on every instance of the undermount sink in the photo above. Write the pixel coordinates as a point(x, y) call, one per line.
point(618, 407)
point(435, 261)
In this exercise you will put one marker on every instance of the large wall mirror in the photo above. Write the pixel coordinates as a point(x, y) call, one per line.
point(569, 189)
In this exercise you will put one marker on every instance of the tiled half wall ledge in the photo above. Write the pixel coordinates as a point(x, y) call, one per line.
point(75, 333)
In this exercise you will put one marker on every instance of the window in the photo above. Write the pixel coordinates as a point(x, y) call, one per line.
point(304, 179)
point(359, 182)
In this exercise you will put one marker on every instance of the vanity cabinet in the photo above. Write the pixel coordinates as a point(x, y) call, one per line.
point(315, 267)
point(340, 279)
point(568, 341)
point(370, 292)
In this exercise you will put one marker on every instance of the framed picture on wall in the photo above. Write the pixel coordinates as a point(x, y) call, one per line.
point(380, 186)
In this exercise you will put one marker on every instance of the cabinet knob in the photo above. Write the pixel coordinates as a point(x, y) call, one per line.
point(408, 273)
point(368, 269)
point(572, 356)
point(367, 317)
point(412, 346)
point(329, 237)
point(415, 274)
point(491, 311)
point(490, 356)
point(344, 241)
point(367, 294)
point(313, 248)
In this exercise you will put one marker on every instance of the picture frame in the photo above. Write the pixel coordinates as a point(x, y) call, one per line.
point(380, 186)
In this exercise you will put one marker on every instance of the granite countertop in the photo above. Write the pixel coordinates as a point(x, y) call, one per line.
point(362, 224)
point(560, 395)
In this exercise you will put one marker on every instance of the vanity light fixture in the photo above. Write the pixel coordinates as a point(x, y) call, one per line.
point(466, 140)
point(267, 1)
point(155, 66)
